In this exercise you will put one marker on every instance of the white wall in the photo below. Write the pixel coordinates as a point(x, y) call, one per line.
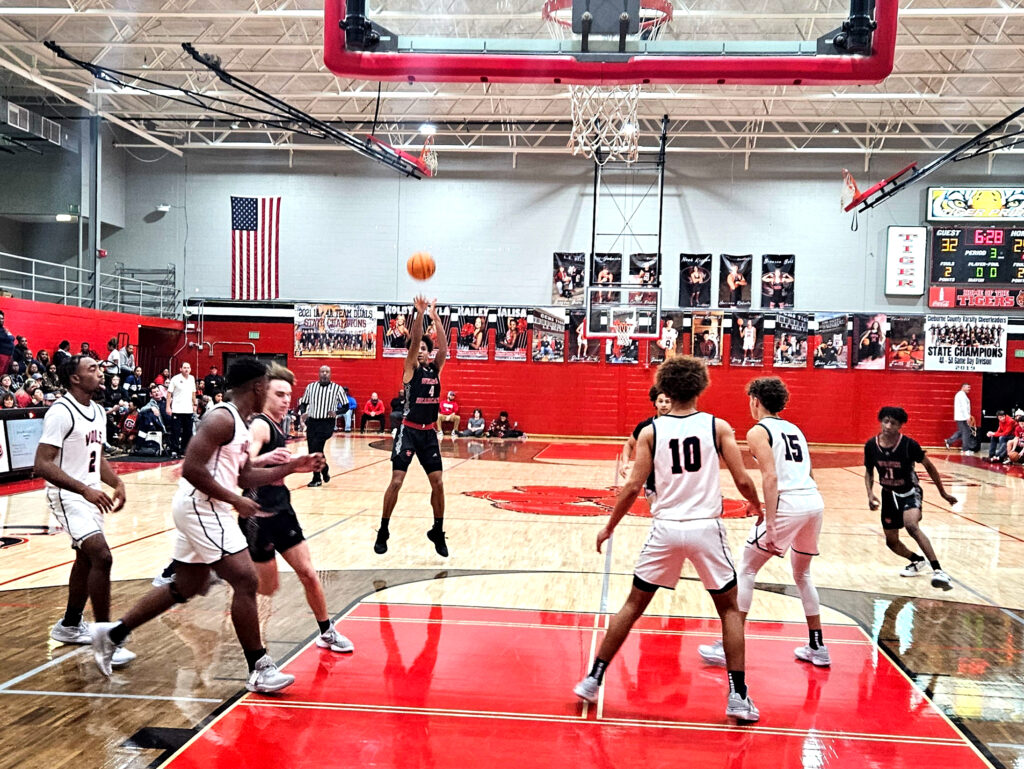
point(347, 225)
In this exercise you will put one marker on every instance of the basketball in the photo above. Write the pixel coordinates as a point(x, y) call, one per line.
point(421, 265)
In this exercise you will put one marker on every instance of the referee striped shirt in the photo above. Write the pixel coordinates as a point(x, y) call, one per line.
point(321, 400)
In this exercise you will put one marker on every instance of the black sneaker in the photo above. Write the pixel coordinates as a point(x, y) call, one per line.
point(326, 475)
point(314, 483)
point(437, 537)
point(381, 545)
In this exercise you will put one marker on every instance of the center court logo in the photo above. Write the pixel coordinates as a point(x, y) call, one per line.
point(574, 501)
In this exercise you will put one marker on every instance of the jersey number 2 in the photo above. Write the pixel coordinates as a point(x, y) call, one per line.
point(792, 446)
point(691, 455)
point(93, 457)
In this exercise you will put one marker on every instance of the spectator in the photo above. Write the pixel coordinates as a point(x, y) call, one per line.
point(23, 396)
point(129, 426)
point(961, 415)
point(21, 352)
point(476, 425)
point(1000, 437)
point(112, 394)
point(7, 385)
point(51, 383)
point(397, 409)
point(7, 401)
point(17, 375)
point(448, 411)
point(85, 350)
point(153, 412)
point(203, 405)
point(181, 392)
point(213, 382)
point(38, 399)
point(126, 360)
point(44, 360)
point(112, 363)
point(372, 409)
point(353, 404)
point(1016, 443)
point(502, 428)
point(34, 372)
point(134, 384)
point(163, 377)
point(6, 346)
point(62, 353)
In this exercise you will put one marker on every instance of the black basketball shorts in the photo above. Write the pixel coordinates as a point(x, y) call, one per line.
point(422, 444)
point(895, 503)
point(274, 534)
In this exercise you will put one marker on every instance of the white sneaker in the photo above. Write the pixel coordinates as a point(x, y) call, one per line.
point(121, 657)
point(166, 577)
point(79, 634)
point(941, 579)
point(819, 656)
point(712, 654)
point(335, 641)
point(587, 689)
point(914, 568)
point(741, 708)
point(267, 678)
point(102, 647)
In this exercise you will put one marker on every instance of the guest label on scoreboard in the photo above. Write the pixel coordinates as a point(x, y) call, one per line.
point(905, 253)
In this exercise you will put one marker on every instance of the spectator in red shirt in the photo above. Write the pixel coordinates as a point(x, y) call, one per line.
point(372, 409)
point(448, 411)
point(1000, 437)
point(1015, 446)
point(23, 397)
point(502, 428)
point(129, 427)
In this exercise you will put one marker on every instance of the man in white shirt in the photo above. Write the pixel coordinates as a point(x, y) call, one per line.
point(962, 416)
point(112, 365)
point(181, 393)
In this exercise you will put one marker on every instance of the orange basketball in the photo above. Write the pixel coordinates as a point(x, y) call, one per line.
point(421, 265)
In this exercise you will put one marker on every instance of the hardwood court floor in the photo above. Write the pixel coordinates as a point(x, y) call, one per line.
point(506, 624)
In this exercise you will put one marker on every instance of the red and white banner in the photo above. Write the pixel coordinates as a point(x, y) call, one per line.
point(255, 247)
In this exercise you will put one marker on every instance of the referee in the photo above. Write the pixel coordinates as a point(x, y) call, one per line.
point(320, 402)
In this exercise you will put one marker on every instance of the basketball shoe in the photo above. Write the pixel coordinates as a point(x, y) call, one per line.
point(741, 708)
point(437, 537)
point(335, 641)
point(107, 654)
point(819, 656)
point(266, 678)
point(77, 634)
point(914, 568)
point(712, 654)
point(941, 579)
point(587, 689)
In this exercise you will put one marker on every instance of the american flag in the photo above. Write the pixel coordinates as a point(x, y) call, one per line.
point(255, 236)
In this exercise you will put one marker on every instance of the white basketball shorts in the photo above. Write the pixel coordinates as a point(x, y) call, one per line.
point(797, 524)
point(80, 519)
point(702, 542)
point(205, 535)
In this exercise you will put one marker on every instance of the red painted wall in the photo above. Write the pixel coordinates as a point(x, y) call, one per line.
point(602, 399)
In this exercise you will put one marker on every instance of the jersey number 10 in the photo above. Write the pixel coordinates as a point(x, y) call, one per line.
point(691, 455)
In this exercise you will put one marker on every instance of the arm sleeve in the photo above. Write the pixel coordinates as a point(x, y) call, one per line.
point(56, 425)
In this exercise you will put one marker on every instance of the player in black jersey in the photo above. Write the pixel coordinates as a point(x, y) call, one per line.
point(277, 529)
point(662, 405)
point(417, 432)
point(894, 455)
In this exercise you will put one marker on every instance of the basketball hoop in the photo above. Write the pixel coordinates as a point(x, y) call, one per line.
point(624, 328)
point(604, 117)
point(428, 156)
point(850, 192)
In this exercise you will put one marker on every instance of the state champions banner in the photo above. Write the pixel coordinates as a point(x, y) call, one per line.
point(965, 343)
point(335, 331)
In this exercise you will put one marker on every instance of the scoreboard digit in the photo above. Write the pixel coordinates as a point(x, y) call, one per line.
point(982, 257)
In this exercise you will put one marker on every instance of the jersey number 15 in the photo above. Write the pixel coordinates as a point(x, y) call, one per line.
point(792, 446)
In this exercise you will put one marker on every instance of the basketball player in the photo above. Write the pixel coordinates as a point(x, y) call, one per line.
point(417, 432)
point(776, 283)
point(894, 455)
point(581, 340)
point(682, 449)
point(749, 334)
point(793, 510)
point(70, 459)
point(216, 464)
point(280, 532)
point(736, 282)
point(605, 276)
point(695, 285)
point(662, 405)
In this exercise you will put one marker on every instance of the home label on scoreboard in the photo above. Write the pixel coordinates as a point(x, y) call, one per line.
point(991, 257)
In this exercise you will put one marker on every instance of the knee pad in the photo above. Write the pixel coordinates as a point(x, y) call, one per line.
point(176, 594)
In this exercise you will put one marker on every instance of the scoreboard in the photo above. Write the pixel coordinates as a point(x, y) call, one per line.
point(982, 257)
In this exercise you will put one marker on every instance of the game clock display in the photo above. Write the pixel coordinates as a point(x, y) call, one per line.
point(978, 256)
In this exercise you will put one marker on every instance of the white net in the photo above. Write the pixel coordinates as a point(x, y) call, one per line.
point(624, 331)
point(429, 156)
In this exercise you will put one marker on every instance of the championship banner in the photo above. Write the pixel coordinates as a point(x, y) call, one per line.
point(510, 334)
point(734, 280)
point(582, 349)
point(397, 320)
point(778, 279)
point(670, 343)
point(335, 331)
point(695, 280)
point(791, 339)
point(833, 350)
point(567, 284)
point(746, 346)
point(906, 342)
point(645, 269)
point(706, 337)
point(965, 343)
point(549, 335)
point(975, 204)
point(472, 342)
point(605, 268)
point(971, 298)
point(869, 341)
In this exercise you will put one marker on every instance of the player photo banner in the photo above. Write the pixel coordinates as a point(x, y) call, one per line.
point(510, 326)
point(906, 342)
point(778, 279)
point(582, 349)
point(645, 269)
point(549, 335)
point(791, 330)
point(695, 280)
point(430, 330)
point(734, 280)
point(606, 268)
point(833, 347)
point(397, 320)
point(706, 337)
point(472, 341)
point(336, 331)
point(868, 341)
point(965, 343)
point(669, 343)
point(567, 285)
point(746, 346)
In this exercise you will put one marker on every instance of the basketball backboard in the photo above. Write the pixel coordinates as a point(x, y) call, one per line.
point(609, 305)
point(782, 42)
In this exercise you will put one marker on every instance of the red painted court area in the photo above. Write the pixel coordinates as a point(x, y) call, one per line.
point(460, 687)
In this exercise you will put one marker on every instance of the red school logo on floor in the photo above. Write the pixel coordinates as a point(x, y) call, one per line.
point(569, 500)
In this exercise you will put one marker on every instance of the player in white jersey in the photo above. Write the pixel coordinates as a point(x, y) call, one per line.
point(792, 515)
point(216, 463)
point(682, 449)
point(70, 458)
